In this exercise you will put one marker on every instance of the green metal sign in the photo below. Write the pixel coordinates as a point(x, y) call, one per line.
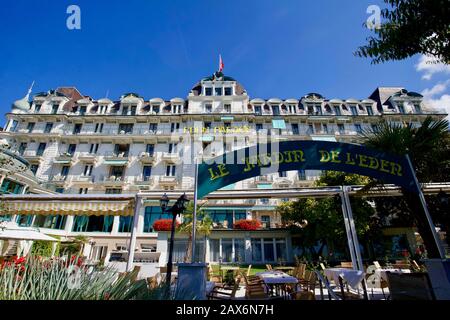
point(263, 159)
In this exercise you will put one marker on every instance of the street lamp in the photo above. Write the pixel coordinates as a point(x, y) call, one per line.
point(177, 208)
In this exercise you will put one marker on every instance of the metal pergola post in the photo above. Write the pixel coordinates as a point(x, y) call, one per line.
point(137, 209)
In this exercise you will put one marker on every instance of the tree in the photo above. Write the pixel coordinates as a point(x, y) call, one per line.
point(428, 148)
point(325, 222)
point(204, 226)
point(410, 27)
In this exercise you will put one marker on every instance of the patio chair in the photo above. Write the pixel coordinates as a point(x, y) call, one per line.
point(322, 266)
point(213, 277)
point(323, 281)
point(377, 264)
point(152, 282)
point(299, 272)
point(308, 282)
point(374, 280)
point(219, 293)
point(269, 267)
point(248, 270)
point(410, 286)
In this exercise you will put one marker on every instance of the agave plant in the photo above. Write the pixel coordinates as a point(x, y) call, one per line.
point(37, 279)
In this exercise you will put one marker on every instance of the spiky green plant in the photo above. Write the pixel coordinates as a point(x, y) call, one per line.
point(37, 279)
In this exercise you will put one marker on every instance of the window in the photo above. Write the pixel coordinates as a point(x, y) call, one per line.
point(269, 254)
point(13, 126)
point(341, 128)
point(276, 110)
point(124, 111)
point(265, 221)
point(34, 168)
point(280, 246)
point(24, 220)
point(310, 129)
point(258, 110)
point(337, 110)
point(170, 170)
point(93, 148)
point(156, 109)
point(83, 110)
point(228, 91)
point(146, 172)
point(77, 128)
point(37, 108)
point(318, 110)
point(291, 108)
point(282, 174)
point(172, 148)
point(208, 125)
point(358, 128)
point(83, 191)
point(153, 127)
point(256, 250)
point(59, 190)
point(259, 127)
point(113, 191)
point(417, 108)
point(98, 253)
point(41, 149)
point(121, 150)
point(30, 127)
point(48, 127)
point(117, 171)
point(50, 222)
point(369, 110)
point(174, 126)
point(125, 224)
point(301, 174)
point(71, 149)
point(88, 170)
point(9, 186)
point(374, 128)
point(65, 170)
point(208, 91)
point(325, 128)
point(208, 108)
point(22, 148)
point(150, 149)
point(133, 110)
point(354, 110)
point(218, 91)
point(227, 108)
point(177, 108)
point(151, 215)
point(401, 109)
point(125, 128)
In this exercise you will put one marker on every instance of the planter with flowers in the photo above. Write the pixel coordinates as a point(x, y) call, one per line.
point(248, 225)
point(164, 225)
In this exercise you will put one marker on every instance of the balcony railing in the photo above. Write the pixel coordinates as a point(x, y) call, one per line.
point(147, 157)
point(168, 180)
point(170, 157)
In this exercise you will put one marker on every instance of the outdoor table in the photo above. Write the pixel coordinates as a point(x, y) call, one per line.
point(277, 279)
point(350, 276)
point(382, 273)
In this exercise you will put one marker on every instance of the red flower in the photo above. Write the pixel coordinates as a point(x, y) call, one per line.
point(405, 253)
point(19, 260)
point(164, 225)
point(247, 224)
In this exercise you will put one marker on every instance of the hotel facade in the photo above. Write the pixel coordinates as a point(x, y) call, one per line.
point(77, 145)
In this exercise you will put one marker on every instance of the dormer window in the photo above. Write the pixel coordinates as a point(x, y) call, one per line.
point(133, 110)
point(208, 91)
point(37, 108)
point(258, 110)
point(337, 110)
point(218, 91)
point(291, 108)
point(124, 111)
point(208, 108)
point(354, 110)
point(276, 110)
point(82, 110)
point(401, 108)
point(417, 108)
point(156, 109)
point(318, 110)
point(228, 91)
point(54, 108)
point(369, 110)
point(177, 108)
point(227, 108)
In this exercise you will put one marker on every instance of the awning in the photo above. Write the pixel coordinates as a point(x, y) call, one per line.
point(323, 138)
point(19, 234)
point(264, 186)
point(61, 161)
point(69, 207)
point(226, 208)
point(227, 118)
point(116, 162)
point(279, 124)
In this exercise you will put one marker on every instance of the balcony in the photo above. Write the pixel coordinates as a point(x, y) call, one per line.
point(117, 158)
point(64, 158)
point(87, 157)
point(57, 179)
point(83, 179)
point(112, 180)
point(144, 180)
point(282, 182)
point(172, 158)
point(147, 158)
point(168, 181)
point(33, 156)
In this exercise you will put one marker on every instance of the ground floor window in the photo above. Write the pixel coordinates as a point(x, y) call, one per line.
point(24, 220)
point(180, 247)
point(151, 215)
point(226, 218)
point(98, 253)
point(51, 222)
point(93, 223)
point(9, 186)
point(233, 250)
point(125, 224)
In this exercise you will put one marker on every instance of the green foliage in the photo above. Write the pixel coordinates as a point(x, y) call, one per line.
point(42, 248)
point(37, 279)
point(410, 27)
point(325, 222)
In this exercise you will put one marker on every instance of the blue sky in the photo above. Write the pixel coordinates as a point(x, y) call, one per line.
point(162, 48)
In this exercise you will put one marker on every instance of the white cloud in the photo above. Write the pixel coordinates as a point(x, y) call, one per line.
point(427, 65)
point(439, 88)
point(438, 97)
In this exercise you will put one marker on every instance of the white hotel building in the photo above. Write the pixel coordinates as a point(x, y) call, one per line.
point(79, 145)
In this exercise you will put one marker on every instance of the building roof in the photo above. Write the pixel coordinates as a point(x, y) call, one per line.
point(382, 94)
